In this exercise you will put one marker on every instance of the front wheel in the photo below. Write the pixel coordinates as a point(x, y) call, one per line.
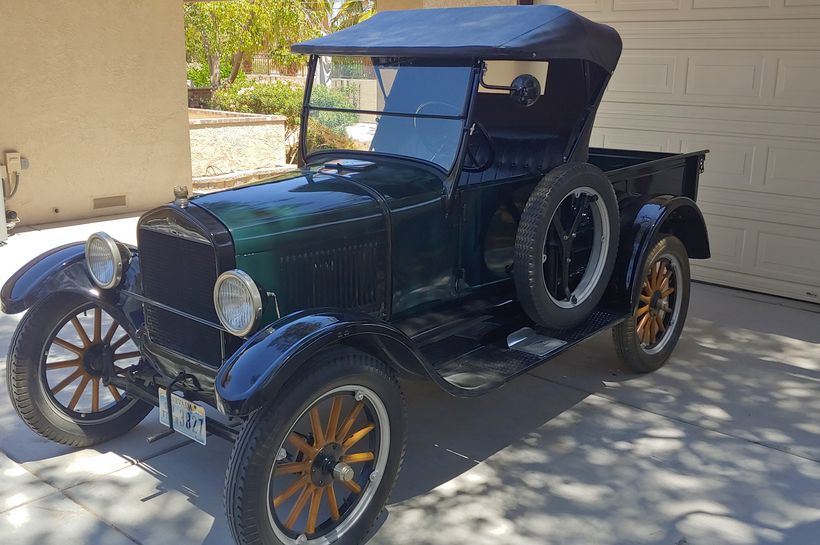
point(645, 340)
point(59, 365)
point(318, 464)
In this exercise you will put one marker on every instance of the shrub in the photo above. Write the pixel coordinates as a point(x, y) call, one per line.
point(200, 74)
point(333, 98)
point(279, 98)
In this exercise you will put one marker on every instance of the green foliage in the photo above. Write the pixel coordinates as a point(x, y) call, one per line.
point(200, 74)
point(217, 32)
point(279, 97)
point(333, 98)
point(228, 31)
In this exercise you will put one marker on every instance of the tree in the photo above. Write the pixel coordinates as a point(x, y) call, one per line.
point(223, 32)
point(228, 31)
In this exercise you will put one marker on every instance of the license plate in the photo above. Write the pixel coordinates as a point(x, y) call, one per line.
point(189, 418)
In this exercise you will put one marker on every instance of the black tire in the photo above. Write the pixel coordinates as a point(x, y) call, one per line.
point(249, 480)
point(630, 345)
point(565, 309)
point(31, 395)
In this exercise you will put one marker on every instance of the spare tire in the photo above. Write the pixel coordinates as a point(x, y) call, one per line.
point(566, 245)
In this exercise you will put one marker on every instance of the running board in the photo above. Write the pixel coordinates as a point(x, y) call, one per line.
point(487, 363)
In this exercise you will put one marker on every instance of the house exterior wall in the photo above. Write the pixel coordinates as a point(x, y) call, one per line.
point(93, 94)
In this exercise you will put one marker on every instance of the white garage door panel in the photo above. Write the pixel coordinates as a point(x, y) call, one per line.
point(782, 79)
point(742, 79)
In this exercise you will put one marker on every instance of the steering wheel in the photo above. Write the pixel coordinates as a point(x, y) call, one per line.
point(478, 153)
point(430, 133)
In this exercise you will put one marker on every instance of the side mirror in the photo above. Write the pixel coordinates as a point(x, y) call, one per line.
point(524, 89)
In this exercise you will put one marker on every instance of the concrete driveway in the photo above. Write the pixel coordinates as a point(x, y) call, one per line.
point(722, 446)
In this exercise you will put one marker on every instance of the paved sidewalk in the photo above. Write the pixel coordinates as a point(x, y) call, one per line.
point(721, 446)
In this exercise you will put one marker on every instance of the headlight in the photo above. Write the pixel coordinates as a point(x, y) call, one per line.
point(238, 302)
point(102, 254)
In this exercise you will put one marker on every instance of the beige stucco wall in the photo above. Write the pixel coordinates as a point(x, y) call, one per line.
point(93, 94)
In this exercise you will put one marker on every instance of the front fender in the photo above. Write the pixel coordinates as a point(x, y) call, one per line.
point(63, 270)
point(678, 216)
point(253, 375)
point(59, 270)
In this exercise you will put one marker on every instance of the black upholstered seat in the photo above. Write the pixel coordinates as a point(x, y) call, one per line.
point(517, 153)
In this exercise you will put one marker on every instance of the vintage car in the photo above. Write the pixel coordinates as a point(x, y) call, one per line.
point(448, 222)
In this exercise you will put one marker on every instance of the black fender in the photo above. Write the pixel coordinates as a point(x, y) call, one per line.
point(254, 375)
point(63, 270)
point(678, 216)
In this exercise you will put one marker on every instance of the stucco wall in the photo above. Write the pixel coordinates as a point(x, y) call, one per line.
point(93, 93)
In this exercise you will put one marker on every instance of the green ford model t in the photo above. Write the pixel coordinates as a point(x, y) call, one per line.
point(449, 222)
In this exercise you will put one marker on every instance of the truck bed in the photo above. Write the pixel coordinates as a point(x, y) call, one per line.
point(664, 173)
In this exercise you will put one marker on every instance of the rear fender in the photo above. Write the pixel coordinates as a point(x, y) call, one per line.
point(63, 270)
point(255, 374)
point(678, 216)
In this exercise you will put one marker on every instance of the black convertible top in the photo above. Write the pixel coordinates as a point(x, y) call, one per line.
point(494, 32)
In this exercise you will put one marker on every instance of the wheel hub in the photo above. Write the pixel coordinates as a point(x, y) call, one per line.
point(96, 359)
point(323, 469)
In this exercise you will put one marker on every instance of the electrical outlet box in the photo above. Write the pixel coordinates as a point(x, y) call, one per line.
point(14, 164)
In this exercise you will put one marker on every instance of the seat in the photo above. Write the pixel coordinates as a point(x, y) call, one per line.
point(518, 153)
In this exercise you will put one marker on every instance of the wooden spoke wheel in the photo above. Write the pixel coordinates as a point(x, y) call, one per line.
point(317, 463)
point(656, 304)
point(62, 357)
point(329, 463)
point(79, 359)
point(646, 340)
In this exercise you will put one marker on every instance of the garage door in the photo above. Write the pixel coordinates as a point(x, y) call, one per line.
point(741, 78)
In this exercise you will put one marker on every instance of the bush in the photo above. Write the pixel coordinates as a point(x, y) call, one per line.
point(277, 98)
point(200, 74)
point(333, 98)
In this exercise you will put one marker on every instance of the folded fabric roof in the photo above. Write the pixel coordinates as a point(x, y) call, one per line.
point(491, 33)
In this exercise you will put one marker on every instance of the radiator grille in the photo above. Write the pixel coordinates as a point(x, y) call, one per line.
point(342, 277)
point(181, 274)
point(184, 336)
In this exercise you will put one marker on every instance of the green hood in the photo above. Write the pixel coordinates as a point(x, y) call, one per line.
point(309, 199)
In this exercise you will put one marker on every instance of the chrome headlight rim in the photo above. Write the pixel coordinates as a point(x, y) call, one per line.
point(255, 296)
point(116, 257)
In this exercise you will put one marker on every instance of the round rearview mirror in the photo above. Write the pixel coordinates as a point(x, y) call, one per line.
point(525, 90)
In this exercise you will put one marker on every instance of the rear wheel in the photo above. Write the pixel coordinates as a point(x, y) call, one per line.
point(645, 340)
point(58, 371)
point(317, 466)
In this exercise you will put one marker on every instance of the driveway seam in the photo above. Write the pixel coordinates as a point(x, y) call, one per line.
point(611, 399)
point(63, 493)
point(101, 519)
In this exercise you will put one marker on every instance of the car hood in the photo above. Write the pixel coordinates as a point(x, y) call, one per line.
point(256, 214)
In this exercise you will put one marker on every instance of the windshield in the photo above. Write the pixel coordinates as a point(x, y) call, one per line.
point(395, 106)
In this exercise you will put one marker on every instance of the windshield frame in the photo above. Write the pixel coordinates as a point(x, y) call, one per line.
point(465, 117)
